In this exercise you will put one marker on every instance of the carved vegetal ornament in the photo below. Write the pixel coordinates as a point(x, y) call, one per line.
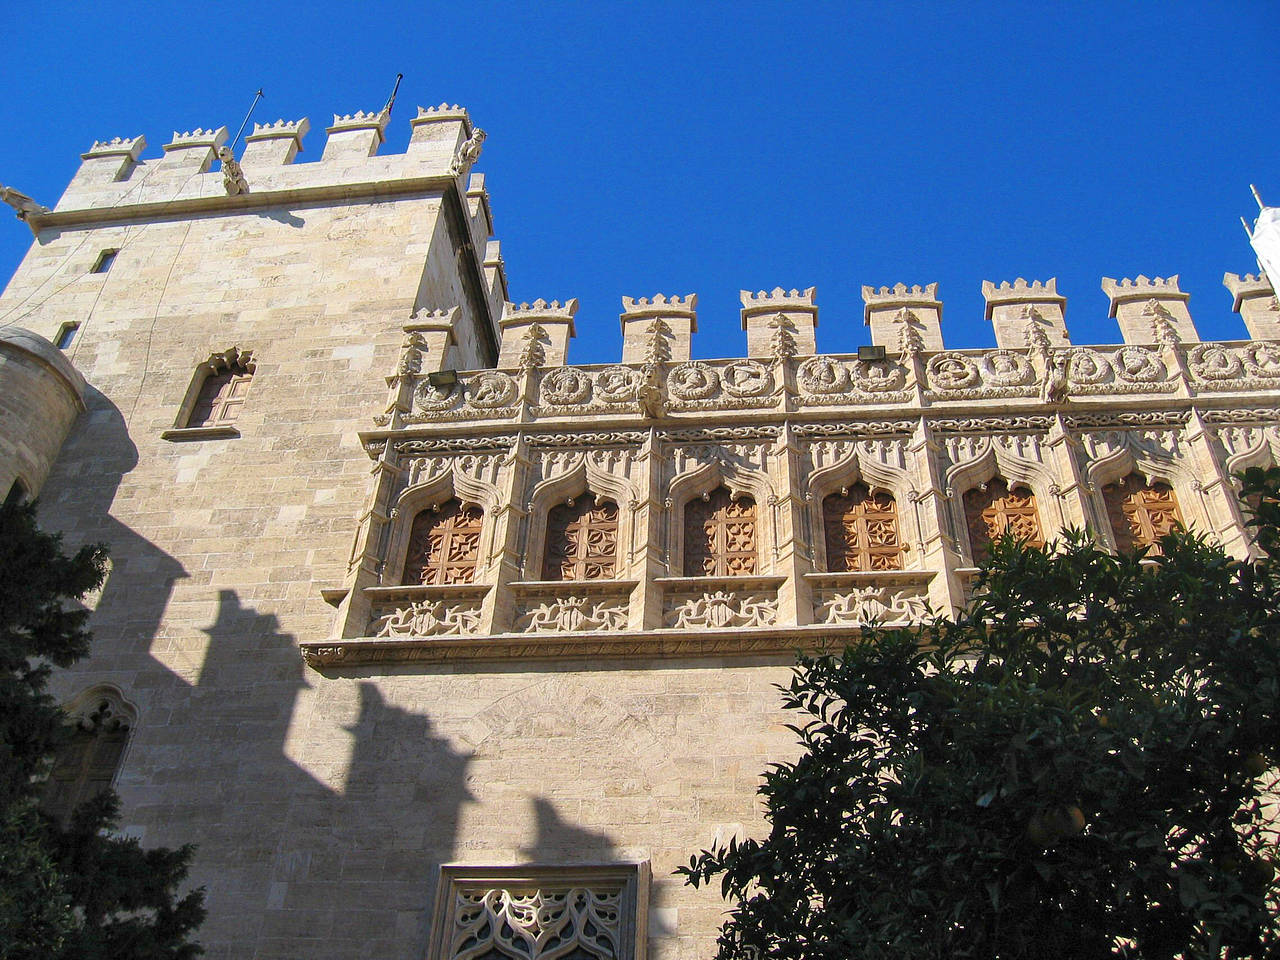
point(532, 352)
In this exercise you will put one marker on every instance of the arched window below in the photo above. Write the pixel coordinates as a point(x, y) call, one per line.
point(582, 540)
point(992, 510)
point(1140, 512)
point(444, 544)
point(720, 536)
point(86, 764)
point(221, 397)
point(861, 530)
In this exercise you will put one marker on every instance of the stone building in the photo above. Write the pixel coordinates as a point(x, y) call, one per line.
point(412, 624)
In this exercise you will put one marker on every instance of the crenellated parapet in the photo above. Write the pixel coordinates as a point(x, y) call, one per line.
point(658, 328)
point(779, 321)
point(1150, 310)
point(1026, 313)
point(192, 151)
point(274, 144)
point(904, 318)
point(443, 145)
point(536, 334)
point(1255, 300)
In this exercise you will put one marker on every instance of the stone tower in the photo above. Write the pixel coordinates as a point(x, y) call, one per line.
point(417, 623)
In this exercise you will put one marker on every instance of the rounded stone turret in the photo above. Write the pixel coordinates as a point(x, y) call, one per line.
point(41, 394)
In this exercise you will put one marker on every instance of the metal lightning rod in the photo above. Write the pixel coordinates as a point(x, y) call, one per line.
point(391, 100)
point(256, 97)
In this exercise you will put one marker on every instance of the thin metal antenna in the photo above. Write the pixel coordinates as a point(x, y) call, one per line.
point(391, 100)
point(1245, 223)
point(1257, 196)
point(256, 97)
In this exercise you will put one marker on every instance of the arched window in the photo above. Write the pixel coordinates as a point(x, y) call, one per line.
point(86, 764)
point(861, 530)
point(582, 540)
point(444, 544)
point(720, 536)
point(992, 510)
point(17, 494)
point(1140, 512)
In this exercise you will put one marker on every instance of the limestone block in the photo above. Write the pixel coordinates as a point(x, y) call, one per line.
point(1255, 301)
point(901, 311)
point(274, 144)
point(193, 151)
point(1016, 309)
point(354, 136)
point(1150, 311)
point(536, 334)
point(661, 328)
point(780, 320)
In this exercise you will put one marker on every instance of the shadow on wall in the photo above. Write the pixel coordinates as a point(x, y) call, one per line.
point(292, 865)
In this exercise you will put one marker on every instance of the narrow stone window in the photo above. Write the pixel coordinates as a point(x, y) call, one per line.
point(992, 510)
point(221, 396)
point(105, 259)
point(444, 544)
point(582, 540)
point(720, 536)
point(66, 334)
point(861, 530)
point(86, 764)
point(1141, 512)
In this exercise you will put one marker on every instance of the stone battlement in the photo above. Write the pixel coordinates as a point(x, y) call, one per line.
point(116, 175)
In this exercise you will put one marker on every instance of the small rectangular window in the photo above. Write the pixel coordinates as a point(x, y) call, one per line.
point(104, 261)
point(66, 334)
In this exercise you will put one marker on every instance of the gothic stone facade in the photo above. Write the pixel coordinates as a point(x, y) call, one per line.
point(439, 645)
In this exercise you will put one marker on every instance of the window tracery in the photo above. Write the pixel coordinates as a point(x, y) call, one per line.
point(861, 530)
point(992, 510)
point(1141, 512)
point(720, 535)
point(444, 544)
point(582, 540)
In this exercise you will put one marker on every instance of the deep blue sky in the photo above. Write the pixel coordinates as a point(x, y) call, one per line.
point(642, 148)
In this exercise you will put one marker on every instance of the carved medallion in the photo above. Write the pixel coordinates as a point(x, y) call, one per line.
point(1005, 368)
point(878, 376)
point(490, 390)
point(747, 378)
point(823, 375)
point(952, 371)
point(1212, 361)
point(566, 386)
point(1262, 359)
point(1086, 367)
point(618, 384)
point(1139, 365)
point(693, 381)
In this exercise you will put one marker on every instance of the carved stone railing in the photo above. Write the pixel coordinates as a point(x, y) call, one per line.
point(884, 598)
point(671, 388)
point(451, 610)
point(571, 606)
point(717, 603)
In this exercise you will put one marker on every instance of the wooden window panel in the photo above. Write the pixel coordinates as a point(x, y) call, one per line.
point(1140, 512)
point(84, 767)
point(444, 544)
point(720, 536)
point(997, 510)
point(861, 531)
point(221, 398)
point(582, 540)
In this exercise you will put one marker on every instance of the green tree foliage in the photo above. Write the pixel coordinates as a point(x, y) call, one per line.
point(1077, 767)
point(67, 890)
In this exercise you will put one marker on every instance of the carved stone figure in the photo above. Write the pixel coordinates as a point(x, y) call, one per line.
point(468, 153)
